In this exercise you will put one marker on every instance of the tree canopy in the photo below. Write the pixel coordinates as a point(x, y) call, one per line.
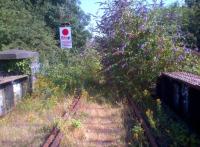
point(34, 24)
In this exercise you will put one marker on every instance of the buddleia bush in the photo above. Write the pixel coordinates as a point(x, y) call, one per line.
point(137, 44)
point(139, 41)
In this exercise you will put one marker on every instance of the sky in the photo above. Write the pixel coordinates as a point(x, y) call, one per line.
point(92, 7)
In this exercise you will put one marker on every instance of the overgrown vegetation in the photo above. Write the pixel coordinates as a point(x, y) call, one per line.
point(138, 41)
point(75, 70)
point(33, 118)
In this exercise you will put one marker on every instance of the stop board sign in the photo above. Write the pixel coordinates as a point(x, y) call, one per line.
point(65, 37)
point(65, 32)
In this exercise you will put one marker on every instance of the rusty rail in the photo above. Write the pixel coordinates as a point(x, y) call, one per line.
point(138, 114)
point(56, 135)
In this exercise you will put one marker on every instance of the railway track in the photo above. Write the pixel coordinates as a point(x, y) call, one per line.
point(55, 137)
point(140, 118)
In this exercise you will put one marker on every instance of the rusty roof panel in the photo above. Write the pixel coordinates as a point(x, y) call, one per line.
point(185, 77)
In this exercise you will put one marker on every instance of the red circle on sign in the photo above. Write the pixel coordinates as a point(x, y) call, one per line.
point(65, 32)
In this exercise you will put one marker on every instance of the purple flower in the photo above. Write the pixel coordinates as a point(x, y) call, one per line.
point(187, 50)
point(145, 18)
point(123, 47)
point(124, 65)
point(181, 58)
point(142, 27)
point(143, 45)
point(144, 10)
point(175, 49)
point(161, 3)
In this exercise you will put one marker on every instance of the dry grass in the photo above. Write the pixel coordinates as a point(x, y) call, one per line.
point(101, 125)
point(24, 127)
point(97, 123)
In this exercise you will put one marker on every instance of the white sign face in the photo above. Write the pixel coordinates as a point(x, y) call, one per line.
point(65, 37)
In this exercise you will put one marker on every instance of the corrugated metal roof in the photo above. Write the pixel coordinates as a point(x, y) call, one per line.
point(17, 54)
point(185, 77)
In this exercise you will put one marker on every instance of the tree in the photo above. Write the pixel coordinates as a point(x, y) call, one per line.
point(191, 3)
point(191, 22)
point(34, 25)
point(19, 28)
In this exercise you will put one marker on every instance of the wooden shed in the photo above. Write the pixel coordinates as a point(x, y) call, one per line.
point(181, 91)
point(19, 54)
point(14, 86)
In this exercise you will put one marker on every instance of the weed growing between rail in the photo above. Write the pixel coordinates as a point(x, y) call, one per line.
point(97, 123)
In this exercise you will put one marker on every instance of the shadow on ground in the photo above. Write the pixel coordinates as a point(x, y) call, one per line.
point(102, 94)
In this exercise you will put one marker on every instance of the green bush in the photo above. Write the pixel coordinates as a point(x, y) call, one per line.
point(74, 70)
